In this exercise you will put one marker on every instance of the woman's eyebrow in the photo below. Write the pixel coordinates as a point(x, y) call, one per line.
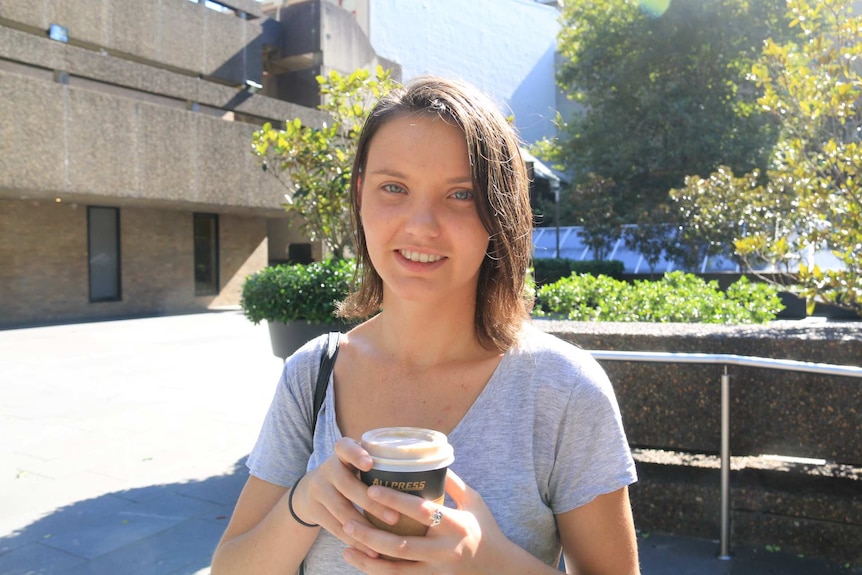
point(387, 172)
point(393, 173)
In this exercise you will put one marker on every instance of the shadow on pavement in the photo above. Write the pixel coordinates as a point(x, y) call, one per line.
point(172, 529)
point(168, 529)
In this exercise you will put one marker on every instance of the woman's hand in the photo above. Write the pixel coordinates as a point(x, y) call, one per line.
point(467, 539)
point(326, 496)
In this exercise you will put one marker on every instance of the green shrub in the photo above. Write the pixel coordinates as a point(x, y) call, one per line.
point(677, 297)
point(612, 268)
point(297, 292)
point(549, 270)
point(760, 299)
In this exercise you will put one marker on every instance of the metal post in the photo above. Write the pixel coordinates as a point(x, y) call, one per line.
point(555, 184)
point(724, 553)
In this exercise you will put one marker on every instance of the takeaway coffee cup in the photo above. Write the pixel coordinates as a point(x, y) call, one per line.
point(409, 459)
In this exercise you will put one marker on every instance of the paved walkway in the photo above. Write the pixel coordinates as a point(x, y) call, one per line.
point(122, 446)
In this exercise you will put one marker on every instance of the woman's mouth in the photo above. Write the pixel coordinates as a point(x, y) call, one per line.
point(420, 257)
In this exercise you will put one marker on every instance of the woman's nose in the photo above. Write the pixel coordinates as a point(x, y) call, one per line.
point(423, 218)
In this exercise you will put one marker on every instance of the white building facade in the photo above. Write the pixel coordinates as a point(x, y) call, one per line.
point(507, 48)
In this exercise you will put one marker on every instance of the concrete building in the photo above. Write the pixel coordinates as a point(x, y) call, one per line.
point(507, 48)
point(127, 185)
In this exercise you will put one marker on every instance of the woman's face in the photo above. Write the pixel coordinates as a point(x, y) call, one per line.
point(422, 229)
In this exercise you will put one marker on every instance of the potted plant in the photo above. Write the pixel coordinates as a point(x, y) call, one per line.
point(297, 301)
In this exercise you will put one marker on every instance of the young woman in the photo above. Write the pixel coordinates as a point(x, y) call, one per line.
point(443, 235)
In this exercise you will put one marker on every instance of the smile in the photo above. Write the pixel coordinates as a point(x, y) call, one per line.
point(420, 257)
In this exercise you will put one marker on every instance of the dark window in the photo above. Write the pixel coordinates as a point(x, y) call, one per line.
point(103, 248)
point(206, 254)
point(299, 253)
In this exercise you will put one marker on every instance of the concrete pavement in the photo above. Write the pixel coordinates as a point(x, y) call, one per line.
point(122, 449)
point(122, 443)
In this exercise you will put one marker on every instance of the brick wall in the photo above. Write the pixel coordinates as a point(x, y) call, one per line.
point(43, 262)
point(43, 259)
point(243, 251)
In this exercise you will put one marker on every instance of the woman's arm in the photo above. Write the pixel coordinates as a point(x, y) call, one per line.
point(599, 537)
point(262, 537)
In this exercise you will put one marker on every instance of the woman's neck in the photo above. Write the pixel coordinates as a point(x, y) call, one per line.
point(428, 334)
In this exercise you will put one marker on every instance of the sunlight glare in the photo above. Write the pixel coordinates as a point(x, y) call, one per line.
point(654, 8)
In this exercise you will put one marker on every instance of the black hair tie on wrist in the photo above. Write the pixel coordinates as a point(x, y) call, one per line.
point(290, 506)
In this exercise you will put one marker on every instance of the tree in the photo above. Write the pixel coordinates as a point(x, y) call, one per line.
point(601, 226)
point(652, 236)
point(664, 96)
point(315, 164)
point(811, 198)
point(723, 207)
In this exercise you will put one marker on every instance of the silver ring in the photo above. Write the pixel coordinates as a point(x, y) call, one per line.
point(436, 518)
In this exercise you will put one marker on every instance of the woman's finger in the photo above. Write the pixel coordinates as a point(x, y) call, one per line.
point(375, 566)
point(425, 512)
point(353, 457)
point(351, 453)
point(338, 492)
point(402, 547)
point(457, 489)
point(332, 509)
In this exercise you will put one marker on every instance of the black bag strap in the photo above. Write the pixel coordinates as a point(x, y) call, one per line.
point(326, 363)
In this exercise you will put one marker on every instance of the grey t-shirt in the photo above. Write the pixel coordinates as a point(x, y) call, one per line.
point(544, 437)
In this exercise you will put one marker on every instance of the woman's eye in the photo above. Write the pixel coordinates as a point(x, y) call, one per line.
point(393, 188)
point(463, 195)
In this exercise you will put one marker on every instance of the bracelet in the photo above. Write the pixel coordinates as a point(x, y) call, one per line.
point(290, 506)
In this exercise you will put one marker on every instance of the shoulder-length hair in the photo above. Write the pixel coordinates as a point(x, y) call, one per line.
point(501, 195)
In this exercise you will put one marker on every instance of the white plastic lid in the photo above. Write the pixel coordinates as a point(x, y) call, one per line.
point(408, 448)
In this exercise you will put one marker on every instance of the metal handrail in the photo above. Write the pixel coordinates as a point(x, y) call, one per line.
point(725, 360)
point(729, 359)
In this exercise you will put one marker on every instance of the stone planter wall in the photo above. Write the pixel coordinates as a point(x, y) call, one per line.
point(672, 418)
point(677, 406)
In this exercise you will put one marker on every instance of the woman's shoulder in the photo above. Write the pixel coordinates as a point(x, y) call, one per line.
point(535, 342)
point(305, 361)
point(556, 361)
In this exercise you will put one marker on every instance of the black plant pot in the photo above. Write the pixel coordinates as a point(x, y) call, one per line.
point(288, 337)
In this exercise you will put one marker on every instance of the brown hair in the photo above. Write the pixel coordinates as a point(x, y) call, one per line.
point(502, 200)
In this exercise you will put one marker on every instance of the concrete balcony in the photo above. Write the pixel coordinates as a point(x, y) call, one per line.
point(97, 146)
point(177, 34)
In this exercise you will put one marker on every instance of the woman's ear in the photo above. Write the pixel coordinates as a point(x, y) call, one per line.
point(359, 191)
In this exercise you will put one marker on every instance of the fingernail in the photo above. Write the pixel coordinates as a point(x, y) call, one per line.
point(349, 527)
point(391, 517)
point(374, 492)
